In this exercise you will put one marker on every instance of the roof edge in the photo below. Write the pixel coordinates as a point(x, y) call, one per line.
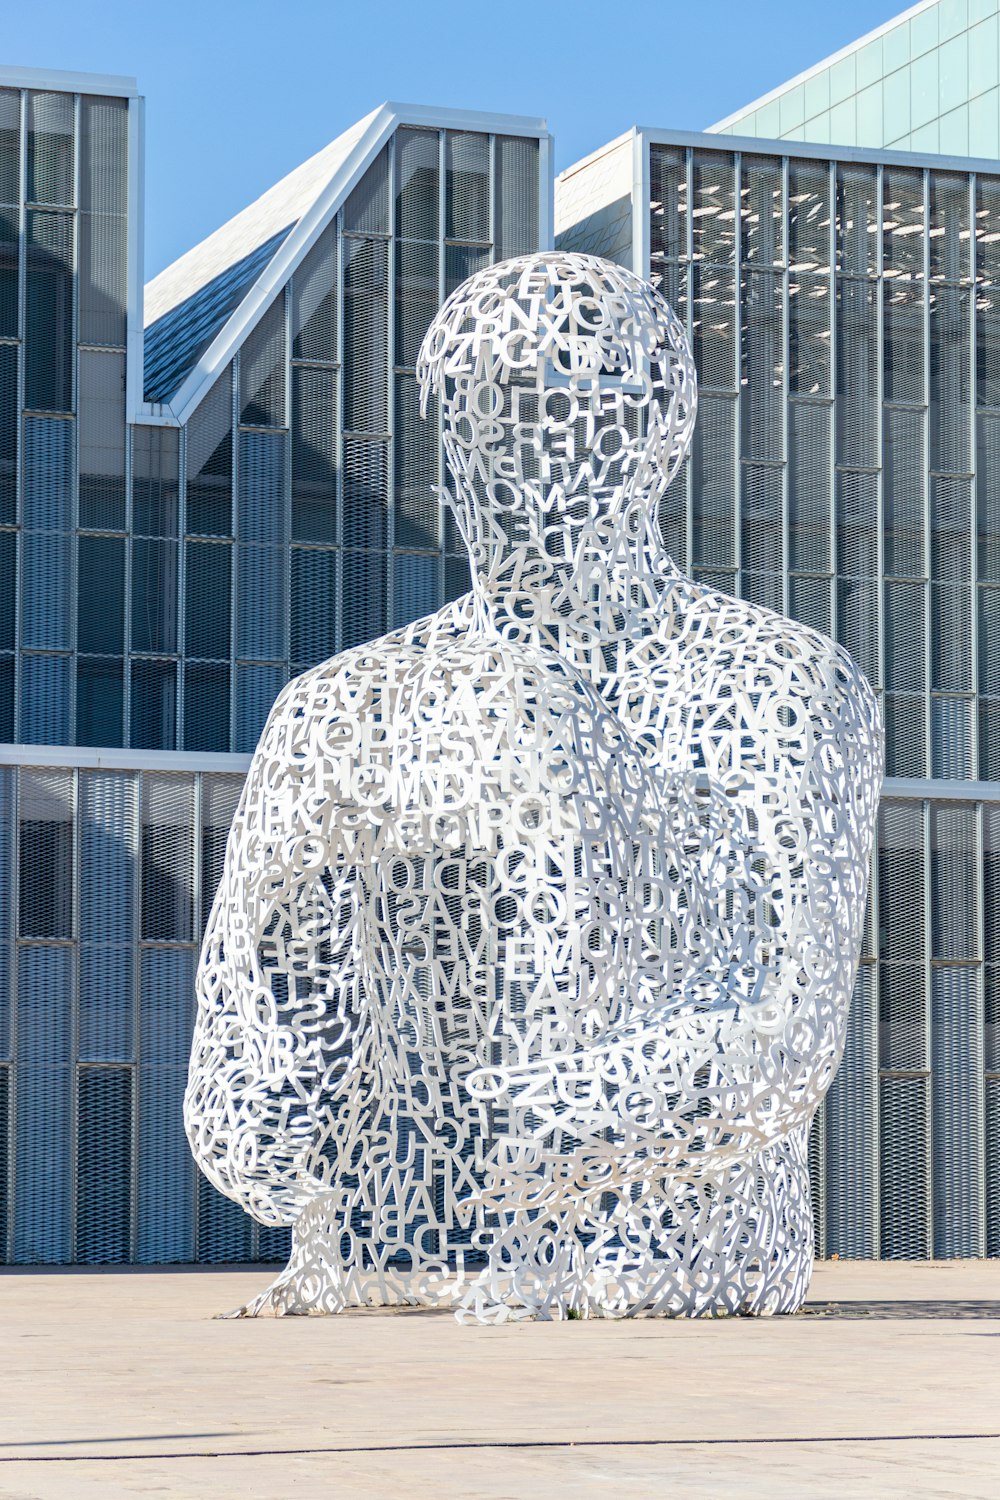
point(57, 81)
point(826, 62)
point(592, 156)
point(383, 121)
point(754, 145)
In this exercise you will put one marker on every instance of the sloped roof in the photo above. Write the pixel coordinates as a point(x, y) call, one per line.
point(189, 302)
point(199, 310)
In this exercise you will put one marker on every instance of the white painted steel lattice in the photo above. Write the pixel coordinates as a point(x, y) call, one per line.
point(534, 948)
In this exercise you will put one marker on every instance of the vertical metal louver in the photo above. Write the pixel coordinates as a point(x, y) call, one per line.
point(314, 605)
point(103, 226)
point(155, 471)
point(314, 454)
point(101, 406)
point(515, 228)
point(167, 858)
point(103, 1165)
point(210, 462)
point(48, 330)
point(314, 303)
point(50, 149)
point(262, 371)
point(166, 1175)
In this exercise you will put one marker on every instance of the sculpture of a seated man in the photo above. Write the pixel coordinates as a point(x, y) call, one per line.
point(533, 952)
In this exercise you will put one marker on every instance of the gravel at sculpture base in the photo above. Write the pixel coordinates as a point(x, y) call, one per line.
point(533, 952)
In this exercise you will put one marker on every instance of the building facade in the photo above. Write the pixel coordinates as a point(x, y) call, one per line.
point(188, 519)
point(844, 315)
point(195, 508)
point(928, 80)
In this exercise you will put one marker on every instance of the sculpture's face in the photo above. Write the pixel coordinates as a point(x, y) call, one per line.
point(568, 399)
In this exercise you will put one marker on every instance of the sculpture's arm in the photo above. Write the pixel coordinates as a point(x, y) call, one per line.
point(279, 995)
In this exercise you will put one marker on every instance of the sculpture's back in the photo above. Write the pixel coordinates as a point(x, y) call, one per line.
point(532, 957)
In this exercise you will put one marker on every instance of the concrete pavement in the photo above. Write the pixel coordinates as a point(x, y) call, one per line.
point(119, 1383)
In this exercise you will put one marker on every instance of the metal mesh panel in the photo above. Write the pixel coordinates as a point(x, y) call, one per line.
point(165, 1227)
point(950, 379)
point(951, 525)
point(989, 640)
point(668, 203)
point(365, 334)
point(210, 462)
point(416, 505)
point(905, 719)
point(808, 216)
point(762, 367)
point(314, 455)
point(857, 624)
point(713, 461)
point(903, 343)
point(366, 493)
point(153, 711)
point(100, 701)
point(461, 262)
point(809, 601)
point(43, 1173)
point(417, 184)
point(902, 876)
point(225, 1232)
point(48, 338)
point(103, 223)
point(904, 223)
point(5, 1172)
point(314, 302)
point(262, 370)
point(950, 239)
point(102, 440)
point(467, 186)
point(713, 216)
point(103, 1165)
point(261, 495)
point(761, 518)
point(809, 487)
point(46, 564)
point(903, 487)
point(416, 590)
point(904, 1185)
point(48, 475)
point(167, 858)
point(951, 637)
point(957, 1060)
point(857, 373)
point(8, 434)
point(154, 595)
point(367, 207)
point(364, 607)
point(713, 326)
point(761, 216)
point(857, 523)
point(256, 689)
point(50, 148)
point(220, 797)
point(314, 605)
point(988, 497)
point(857, 243)
point(206, 706)
point(992, 1163)
point(905, 636)
point(107, 1000)
point(953, 881)
point(208, 572)
point(9, 270)
point(417, 298)
point(10, 145)
point(816, 1156)
point(45, 854)
point(154, 481)
point(851, 1134)
point(8, 588)
point(810, 335)
point(45, 692)
point(516, 196)
point(951, 737)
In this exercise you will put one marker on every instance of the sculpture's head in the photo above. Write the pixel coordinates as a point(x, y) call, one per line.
point(568, 398)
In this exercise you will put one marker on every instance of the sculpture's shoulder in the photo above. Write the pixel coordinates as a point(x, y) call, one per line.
point(729, 645)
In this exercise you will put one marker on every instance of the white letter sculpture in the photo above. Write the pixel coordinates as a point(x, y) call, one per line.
point(533, 953)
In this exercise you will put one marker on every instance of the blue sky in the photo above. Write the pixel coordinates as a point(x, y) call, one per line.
point(239, 93)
